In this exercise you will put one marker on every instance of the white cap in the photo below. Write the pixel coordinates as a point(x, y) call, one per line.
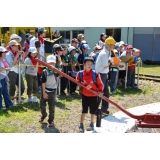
point(117, 44)
point(136, 50)
point(2, 49)
point(71, 48)
point(32, 50)
point(115, 50)
point(51, 58)
point(13, 36)
point(97, 47)
point(121, 42)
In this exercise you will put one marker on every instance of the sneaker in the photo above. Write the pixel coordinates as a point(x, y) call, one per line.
point(113, 92)
point(34, 99)
point(39, 89)
point(3, 108)
point(90, 127)
point(134, 87)
point(63, 93)
point(51, 124)
point(129, 87)
point(42, 119)
point(29, 99)
point(14, 102)
point(81, 128)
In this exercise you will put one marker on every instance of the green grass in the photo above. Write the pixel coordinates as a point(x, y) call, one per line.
point(150, 69)
point(24, 118)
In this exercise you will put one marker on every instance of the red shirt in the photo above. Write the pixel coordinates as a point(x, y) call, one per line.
point(87, 78)
point(132, 66)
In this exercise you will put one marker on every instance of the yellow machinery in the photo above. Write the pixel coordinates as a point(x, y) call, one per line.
point(4, 37)
point(21, 31)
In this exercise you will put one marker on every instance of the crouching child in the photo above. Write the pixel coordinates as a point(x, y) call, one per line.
point(48, 94)
point(91, 80)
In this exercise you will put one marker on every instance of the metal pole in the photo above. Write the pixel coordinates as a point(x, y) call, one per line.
point(126, 75)
point(59, 87)
point(19, 87)
point(138, 75)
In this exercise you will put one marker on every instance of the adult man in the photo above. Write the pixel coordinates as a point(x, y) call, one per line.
point(102, 66)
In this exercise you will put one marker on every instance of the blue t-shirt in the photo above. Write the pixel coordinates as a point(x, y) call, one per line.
point(136, 59)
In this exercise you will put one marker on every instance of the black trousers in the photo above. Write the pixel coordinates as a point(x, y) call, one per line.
point(64, 80)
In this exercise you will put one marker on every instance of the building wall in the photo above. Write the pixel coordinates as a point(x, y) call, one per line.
point(145, 38)
point(93, 33)
point(148, 40)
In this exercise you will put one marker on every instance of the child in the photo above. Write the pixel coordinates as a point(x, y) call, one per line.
point(49, 86)
point(26, 44)
point(4, 79)
point(95, 53)
point(89, 99)
point(101, 42)
point(81, 57)
point(58, 53)
point(136, 54)
point(30, 70)
point(73, 62)
point(131, 69)
point(65, 62)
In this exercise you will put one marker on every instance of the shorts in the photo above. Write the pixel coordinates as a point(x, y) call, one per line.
point(90, 102)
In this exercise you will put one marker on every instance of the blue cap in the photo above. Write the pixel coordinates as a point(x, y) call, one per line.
point(28, 35)
point(85, 46)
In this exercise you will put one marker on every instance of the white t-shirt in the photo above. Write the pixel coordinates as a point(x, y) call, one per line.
point(101, 44)
point(32, 41)
point(102, 61)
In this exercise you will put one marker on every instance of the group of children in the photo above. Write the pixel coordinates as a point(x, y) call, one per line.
point(73, 60)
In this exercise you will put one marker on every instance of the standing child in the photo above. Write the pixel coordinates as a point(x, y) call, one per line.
point(89, 99)
point(31, 69)
point(95, 54)
point(4, 79)
point(48, 94)
point(65, 62)
point(81, 57)
point(73, 62)
point(27, 44)
point(131, 68)
point(58, 53)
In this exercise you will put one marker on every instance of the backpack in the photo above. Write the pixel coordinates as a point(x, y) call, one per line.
point(94, 76)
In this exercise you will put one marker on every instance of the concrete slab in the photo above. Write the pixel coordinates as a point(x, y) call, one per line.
point(119, 122)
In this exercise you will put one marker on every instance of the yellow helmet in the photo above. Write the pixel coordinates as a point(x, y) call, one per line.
point(110, 40)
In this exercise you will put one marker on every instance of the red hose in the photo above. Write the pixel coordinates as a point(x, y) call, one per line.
point(140, 117)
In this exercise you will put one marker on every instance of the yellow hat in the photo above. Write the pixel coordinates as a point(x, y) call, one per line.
point(110, 40)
